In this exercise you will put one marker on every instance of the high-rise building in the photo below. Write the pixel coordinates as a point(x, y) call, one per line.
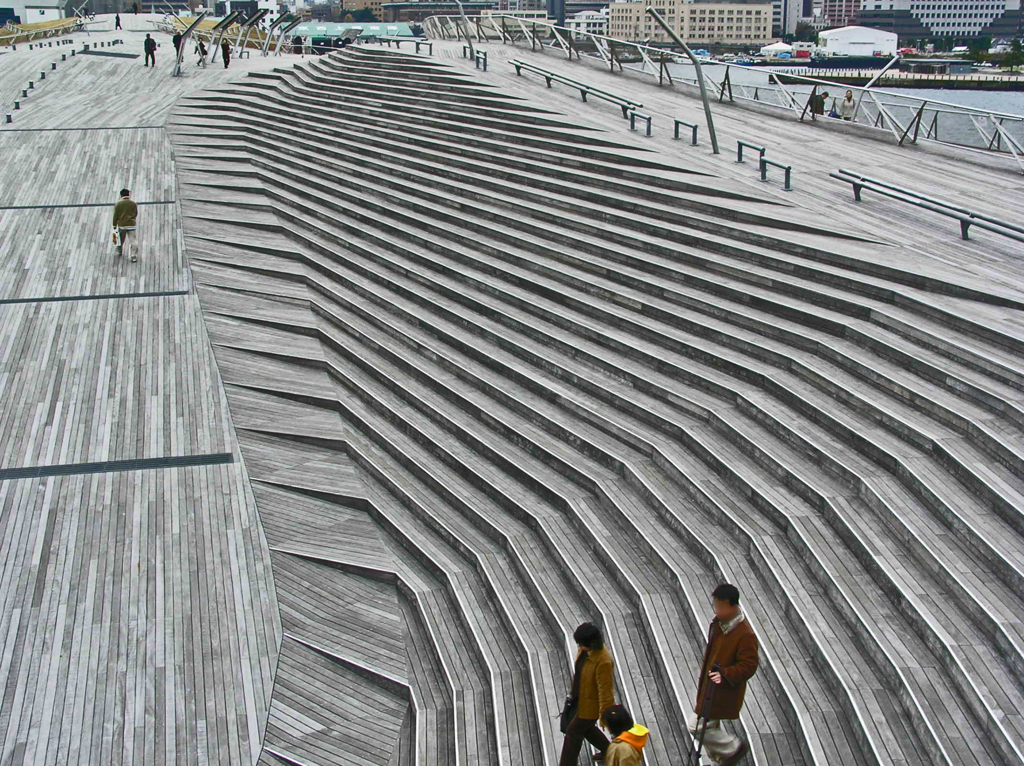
point(840, 13)
point(739, 23)
point(959, 19)
point(785, 16)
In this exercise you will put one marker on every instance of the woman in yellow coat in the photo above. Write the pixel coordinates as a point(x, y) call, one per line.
point(592, 692)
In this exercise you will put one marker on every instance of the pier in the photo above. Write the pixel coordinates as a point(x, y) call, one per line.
point(424, 363)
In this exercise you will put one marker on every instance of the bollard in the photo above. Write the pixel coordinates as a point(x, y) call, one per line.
point(63, 57)
point(31, 85)
point(9, 120)
point(53, 66)
point(72, 53)
point(42, 75)
point(17, 105)
point(24, 93)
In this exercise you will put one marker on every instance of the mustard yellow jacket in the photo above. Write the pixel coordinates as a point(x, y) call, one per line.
point(596, 694)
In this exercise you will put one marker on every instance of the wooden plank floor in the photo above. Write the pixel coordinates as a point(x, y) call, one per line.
point(136, 625)
point(140, 623)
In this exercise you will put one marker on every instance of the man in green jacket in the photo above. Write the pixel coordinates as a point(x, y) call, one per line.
point(125, 214)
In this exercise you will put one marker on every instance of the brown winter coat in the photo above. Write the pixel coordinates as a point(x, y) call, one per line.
point(595, 684)
point(736, 653)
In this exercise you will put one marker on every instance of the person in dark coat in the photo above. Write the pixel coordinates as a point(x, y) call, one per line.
point(117, 21)
point(592, 692)
point(135, 8)
point(818, 102)
point(177, 42)
point(149, 46)
point(732, 646)
point(225, 52)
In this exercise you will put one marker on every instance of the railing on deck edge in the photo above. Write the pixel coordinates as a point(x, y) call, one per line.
point(910, 119)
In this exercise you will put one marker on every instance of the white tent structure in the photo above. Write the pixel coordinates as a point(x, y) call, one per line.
point(776, 48)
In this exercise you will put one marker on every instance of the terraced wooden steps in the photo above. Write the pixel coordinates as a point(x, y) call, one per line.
point(568, 393)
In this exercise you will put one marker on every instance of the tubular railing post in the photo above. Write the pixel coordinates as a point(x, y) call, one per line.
point(462, 13)
point(700, 75)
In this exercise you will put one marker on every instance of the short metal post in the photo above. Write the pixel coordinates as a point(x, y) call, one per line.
point(964, 226)
point(42, 75)
point(17, 105)
point(764, 170)
point(8, 118)
point(63, 57)
point(24, 93)
point(31, 85)
point(53, 66)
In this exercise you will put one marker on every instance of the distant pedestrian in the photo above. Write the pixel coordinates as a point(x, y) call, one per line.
point(117, 21)
point(149, 46)
point(732, 646)
point(628, 738)
point(176, 39)
point(297, 45)
point(135, 8)
point(125, 215)
point(847, 106)
point(225, 52)
point(201, 51)
point(591, 694)
point(818, 101)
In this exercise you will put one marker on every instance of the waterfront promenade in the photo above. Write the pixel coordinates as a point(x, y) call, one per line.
point(421, 366)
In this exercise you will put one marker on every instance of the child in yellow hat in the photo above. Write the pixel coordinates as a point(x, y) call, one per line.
point(626, 749)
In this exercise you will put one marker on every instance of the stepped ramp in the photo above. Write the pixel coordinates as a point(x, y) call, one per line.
point(531, 373)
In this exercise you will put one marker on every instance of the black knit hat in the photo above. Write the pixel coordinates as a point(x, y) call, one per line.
point(618, 719)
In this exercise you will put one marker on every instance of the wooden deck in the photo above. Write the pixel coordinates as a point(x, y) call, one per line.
point(401, 392)
point(549, 420)
point(140, 622)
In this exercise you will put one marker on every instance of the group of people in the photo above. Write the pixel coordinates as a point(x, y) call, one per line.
point(730, 660)
point(844, 110)
point(149, 46)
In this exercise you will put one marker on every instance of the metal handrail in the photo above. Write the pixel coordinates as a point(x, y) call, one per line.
point(510, 29)
point(624, 103)
point(634, 115)
point(691, 125)
point(966, 217)
point(739, 149)
point(956, 208)
point(787, 169)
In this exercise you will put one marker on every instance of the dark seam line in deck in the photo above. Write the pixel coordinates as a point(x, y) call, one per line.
point(41, 130)
point(112, 466)
point(80, 204)
point(111, 296)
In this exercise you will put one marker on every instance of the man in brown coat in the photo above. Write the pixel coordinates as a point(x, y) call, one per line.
point(732, 646)
point(592, 691)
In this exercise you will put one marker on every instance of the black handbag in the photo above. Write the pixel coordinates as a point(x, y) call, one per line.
point(568, 713)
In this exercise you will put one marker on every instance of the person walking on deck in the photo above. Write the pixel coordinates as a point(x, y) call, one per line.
point(225, 52)
point(125, 215)
point(176, 40)
point(591, 695)
point(117, 21)
point(628, 739)
point(847, 106)
point(732, 645)
point(818, 101)
point(149, 46)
